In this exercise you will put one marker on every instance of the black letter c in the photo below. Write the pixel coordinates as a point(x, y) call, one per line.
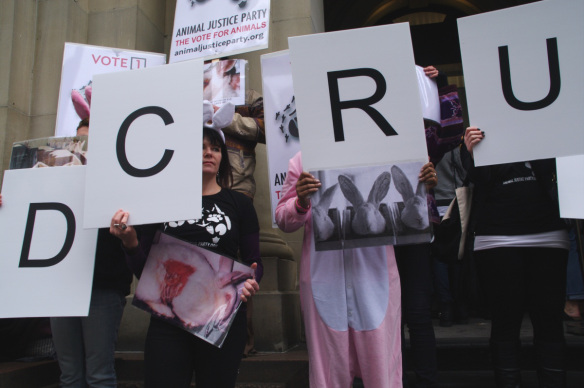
point(121, 143)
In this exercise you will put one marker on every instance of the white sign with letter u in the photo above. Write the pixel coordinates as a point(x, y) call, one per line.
point(524, 80)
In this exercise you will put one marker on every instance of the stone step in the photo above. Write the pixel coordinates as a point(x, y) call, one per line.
point(462, 362)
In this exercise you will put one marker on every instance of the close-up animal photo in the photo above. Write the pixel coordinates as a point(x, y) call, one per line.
point(374, 206)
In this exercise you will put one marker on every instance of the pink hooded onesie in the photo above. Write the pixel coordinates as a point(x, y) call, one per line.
point(350, 303)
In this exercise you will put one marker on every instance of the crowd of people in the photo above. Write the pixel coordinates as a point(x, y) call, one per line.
point(355, 302)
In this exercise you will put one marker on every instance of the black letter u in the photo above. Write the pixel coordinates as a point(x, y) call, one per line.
point(555, 81)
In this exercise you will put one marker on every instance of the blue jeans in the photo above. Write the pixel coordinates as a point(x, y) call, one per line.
point(575, 286)
point(85, 345)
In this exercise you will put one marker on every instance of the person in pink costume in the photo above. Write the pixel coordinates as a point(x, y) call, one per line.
point(350, 299)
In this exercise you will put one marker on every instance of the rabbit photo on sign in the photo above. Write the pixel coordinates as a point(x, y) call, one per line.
point(323, 225)
point(415, 212)
point(367, 219)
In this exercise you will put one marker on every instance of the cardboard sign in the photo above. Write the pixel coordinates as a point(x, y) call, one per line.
point(282, 133)
point(80, 63)
point(146, 136)
point(192, 288)
point(47, 257)
point(358, 104)
point(524, 82)
point(571, 186)
point(212, 29)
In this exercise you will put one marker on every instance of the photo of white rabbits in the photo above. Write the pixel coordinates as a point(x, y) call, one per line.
point(370, 206)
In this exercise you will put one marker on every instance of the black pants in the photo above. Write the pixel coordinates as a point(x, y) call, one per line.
point(415, 270)
point(172, 354)
point(519, 280)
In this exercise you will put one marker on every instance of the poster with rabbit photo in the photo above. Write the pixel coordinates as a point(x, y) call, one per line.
point(370, 206)
point(80, 63)
point(192, 288)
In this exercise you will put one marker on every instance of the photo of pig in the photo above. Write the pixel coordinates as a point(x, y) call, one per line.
point(377, 205)
point(192, 288)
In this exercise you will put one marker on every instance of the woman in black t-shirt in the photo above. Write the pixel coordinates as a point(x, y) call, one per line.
point(229, 226)
point(521, 247)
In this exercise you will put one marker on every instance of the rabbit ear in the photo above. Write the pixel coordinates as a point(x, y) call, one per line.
point(421, 190)
point(380, 188)
point(88, 91)
point(80, 105)
point(327, 197)
point(350, 191)
point(402, 183)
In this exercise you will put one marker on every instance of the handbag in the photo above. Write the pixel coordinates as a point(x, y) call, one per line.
point(450, 235)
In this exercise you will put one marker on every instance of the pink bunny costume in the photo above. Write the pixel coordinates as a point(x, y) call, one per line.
point(350, 302)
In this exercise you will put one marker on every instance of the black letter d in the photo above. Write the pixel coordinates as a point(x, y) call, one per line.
point(70, 218)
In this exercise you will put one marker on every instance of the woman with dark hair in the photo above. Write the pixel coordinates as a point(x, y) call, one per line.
point(521, 247)
point(172, 354)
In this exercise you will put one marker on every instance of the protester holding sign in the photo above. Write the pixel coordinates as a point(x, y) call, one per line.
point(229, 225)
point(85, 346)
point(350, 299)
point(521, 247)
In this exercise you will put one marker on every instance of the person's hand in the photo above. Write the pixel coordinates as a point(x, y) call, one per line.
point(306, 186)
point(431, 71)
point(250, 287)
point(0, 199)
point(119, 227)
point(472, 137)
point(428, 175)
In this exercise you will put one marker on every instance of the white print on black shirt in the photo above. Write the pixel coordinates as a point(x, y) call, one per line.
point(215, 222)
point(520, 179)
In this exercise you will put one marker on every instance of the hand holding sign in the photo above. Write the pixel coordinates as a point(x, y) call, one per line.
point(119, 227)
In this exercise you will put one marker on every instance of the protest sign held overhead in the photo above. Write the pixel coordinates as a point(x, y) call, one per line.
point(524, 82)
point(47, 263)
point(146, 145)
point(282, 134)
point(214, 28)
point(80, 63)
point(358, 109)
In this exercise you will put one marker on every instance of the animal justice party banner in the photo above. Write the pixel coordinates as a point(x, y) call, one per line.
point(80, 63)
point(282, 137)
point(524, 82)
point(215, 28)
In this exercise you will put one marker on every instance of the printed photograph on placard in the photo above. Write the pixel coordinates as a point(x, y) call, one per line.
point(224, 81)
point(370, 206)
point(192, 288)
point(49, 152)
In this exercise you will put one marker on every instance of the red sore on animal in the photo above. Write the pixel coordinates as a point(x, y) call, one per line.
point(175, 279)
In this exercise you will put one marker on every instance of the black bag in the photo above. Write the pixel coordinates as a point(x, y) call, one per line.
point(450, 235)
